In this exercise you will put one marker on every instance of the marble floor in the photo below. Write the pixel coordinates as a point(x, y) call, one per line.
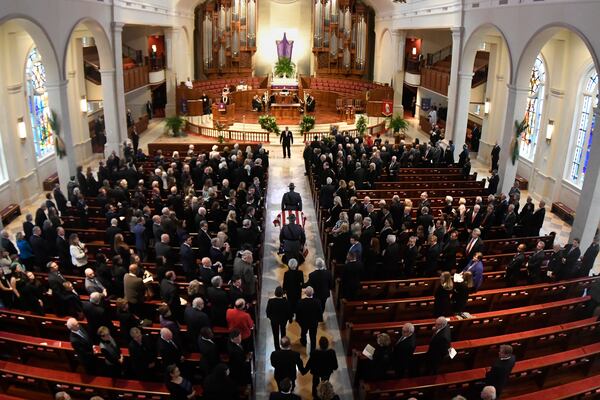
point(281, 173)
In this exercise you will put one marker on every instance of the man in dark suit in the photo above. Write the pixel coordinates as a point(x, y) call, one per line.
point(410, 257)
point(6, 244)
point(497, 375)
point(28, 226)
point(167, 349)
point(425, 219)
point(286, 363)
point(195, 319)
point(587, 261)
point(142, 354)
point(438, 346)
point(572, 253)
point(188, 259)
point(112, 231)
point(432, 256)
point(39, 247)
point(513, 269)
point(209, 351)
point(321, 281)
point(351, 275)
point(475, 245)
point(510, 219)
point(170, 295)
point(41, 215)
point(326, 194)
point(285, 391)
point(246, 235)
point(204, 240)
point(163, 249)
point(286, 138)
point(219, 301)
point(292, 238)
point(493, 182)
point(474, 217)
point(83, 345)
point(308, 316)
point(404, 350)
point(96, 315)
point(55, 283)
point(390, 260)
point(537, 220)
point(279, 312)
point(534, 264)
point(495, 155)
point(291, 200)
point(239, 367)
point(62, 249)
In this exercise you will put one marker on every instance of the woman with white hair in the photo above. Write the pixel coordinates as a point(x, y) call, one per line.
point(293, 281)
point(321, 281)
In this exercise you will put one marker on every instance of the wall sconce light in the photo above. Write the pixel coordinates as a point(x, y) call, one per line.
point(549, 131)
point(486, 106)
point(83, 106)
point(21, 128)
point(154, 48)
point(414, 51)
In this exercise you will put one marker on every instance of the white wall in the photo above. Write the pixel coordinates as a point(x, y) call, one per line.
point(276, 17)
point(136, 101)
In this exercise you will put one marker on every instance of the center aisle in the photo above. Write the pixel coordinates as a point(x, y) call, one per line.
point(281, 173)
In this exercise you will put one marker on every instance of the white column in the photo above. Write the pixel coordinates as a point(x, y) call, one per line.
point(171, 72)
point(111, 115)
point(58, 99)
point(461, 108)
point(453, 85)
point(587, 215)
point(515, 110)
point(118, 88)
point(399, 42)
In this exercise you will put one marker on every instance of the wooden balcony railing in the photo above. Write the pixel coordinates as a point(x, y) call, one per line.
point(135, 77)
point(435, 80)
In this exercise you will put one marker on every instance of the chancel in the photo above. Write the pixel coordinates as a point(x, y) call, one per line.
point(299, 199)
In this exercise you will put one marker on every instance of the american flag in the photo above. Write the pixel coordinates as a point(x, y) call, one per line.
point(282, 218)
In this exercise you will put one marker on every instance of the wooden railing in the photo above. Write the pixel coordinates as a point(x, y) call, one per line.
point(435, 80)
point(135, 77)
point(372, 131)
point(229, 135)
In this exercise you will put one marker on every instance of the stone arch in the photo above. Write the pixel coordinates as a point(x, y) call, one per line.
point(103, 43)
point(42, 41)
point(472, 43)
point(385, 66)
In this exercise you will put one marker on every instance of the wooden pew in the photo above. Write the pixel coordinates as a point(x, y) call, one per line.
point(482, 352)
point(588, 388)
point(357, 336)
point(49, 381)
point(538, 373)
point(481, 301)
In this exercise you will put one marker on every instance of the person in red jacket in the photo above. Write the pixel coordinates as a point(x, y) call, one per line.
point(238, 318)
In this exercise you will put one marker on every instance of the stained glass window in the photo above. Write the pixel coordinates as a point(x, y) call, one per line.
point(582, 144)
point(37, 97)
point(535, 104)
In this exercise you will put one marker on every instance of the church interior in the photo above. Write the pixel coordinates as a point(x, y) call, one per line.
point(299, 199)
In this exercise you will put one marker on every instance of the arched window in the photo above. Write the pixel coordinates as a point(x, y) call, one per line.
point(535, 104)
point(584, 130)
point(39, 111)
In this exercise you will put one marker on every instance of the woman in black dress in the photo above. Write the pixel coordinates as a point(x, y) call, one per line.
point(321, 364)
point(462, 290)
point(293, 279)
point(442, 305)
point(179, 387)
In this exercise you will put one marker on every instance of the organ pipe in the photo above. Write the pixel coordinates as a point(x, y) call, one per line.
point(207, 41)
point(251, 22)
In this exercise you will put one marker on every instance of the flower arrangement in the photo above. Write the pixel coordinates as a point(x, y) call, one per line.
point(268, 123)
point(307, 124)
point(284, 67)
point(174, 124)
point(361, 126)
point(59, 143)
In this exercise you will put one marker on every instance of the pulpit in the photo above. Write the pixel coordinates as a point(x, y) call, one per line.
point(223, 114)
point(286, 113)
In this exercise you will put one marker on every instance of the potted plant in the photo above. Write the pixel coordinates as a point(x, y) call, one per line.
point(220, 128)
point(268, 123)
point(361, 126)
point(398, 125)
point(520, 128)
point(284, 67)
point(174, 125)
point(307, 124)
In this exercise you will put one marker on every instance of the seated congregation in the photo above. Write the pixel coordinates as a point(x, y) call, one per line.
point(142, 282)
